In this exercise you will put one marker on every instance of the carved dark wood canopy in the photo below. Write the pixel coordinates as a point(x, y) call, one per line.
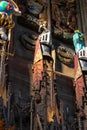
point(63, 15)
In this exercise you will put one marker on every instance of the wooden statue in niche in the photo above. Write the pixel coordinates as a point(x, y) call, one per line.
point(63, 17)
point(63, 13)
point(71, 16)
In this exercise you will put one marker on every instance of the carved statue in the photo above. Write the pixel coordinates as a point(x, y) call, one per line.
point(7, 8)
point(71, 15)
point(78, 40)
point(34, 16)
point(63, 15)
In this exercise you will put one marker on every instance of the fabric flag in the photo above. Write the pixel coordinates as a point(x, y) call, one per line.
point(37, 76)
point(38, 66)
point(38, 53)
point(79, 84)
